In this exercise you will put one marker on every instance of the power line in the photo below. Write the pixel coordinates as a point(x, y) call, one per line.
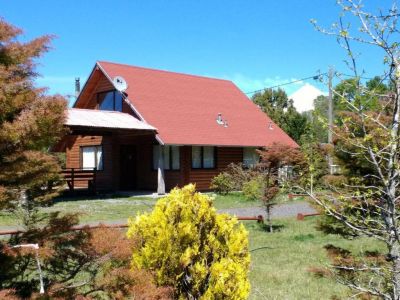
point(291, 82)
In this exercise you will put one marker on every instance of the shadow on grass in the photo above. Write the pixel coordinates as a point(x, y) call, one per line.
point(265, 227)
point(87, 196)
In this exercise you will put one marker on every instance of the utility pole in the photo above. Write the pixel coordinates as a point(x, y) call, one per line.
point(330, 117)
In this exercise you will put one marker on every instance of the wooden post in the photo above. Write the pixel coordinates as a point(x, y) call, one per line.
point(94, 180)
point(72, 179)
point(160, 180)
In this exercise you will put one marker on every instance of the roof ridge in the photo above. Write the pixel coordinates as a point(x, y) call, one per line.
point(163, 71)
point(98, 110)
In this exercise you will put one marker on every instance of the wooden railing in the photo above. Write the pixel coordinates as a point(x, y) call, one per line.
point(76, 175)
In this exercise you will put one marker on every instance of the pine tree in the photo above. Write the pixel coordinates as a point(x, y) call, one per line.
point(30, 122)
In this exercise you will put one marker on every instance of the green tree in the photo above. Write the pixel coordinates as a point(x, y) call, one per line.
point(277, 105)
point(367, 137)
point(202, 254)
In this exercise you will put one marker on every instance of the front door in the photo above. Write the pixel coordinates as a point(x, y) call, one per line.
point(127, 165)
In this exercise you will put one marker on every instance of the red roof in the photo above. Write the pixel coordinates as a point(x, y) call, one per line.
point(184, 108)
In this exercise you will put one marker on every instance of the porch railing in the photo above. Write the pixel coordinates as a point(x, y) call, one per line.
point(74, 176)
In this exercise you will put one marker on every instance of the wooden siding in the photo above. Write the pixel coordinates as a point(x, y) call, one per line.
point(99, 83)
point(225, 155)
point(145, 176)
point(104, 177)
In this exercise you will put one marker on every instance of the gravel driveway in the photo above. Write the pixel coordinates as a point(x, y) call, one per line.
point(278, 211)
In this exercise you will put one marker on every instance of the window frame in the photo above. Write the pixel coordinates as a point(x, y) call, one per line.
point(202, 158)
point(254, 149)
point(114, 98)
point(170, 156)
point(95, 156)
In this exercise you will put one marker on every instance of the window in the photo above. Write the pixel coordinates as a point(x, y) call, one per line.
point(171, 157)
point(92, 157)
point(203, 157)
point(285, 172)
point(111, 100)
point(250, 157)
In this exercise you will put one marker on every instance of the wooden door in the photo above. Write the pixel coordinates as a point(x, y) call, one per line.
point(127, 163)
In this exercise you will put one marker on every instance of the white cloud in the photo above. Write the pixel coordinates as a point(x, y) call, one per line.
point(303, 98)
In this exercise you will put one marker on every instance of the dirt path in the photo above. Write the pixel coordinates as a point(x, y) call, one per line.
point(279, 211)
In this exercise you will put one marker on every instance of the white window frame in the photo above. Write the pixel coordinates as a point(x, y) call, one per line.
point(98, 157)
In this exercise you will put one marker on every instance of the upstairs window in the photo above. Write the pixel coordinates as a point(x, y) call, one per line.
point(92, 157)
point(171, 157)
point(203, 157)
point(111, 100)
point(250, 157)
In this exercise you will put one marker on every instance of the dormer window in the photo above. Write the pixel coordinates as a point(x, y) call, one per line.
point(111, 100)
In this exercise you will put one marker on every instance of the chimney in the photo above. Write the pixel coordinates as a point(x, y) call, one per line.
point(77, 87)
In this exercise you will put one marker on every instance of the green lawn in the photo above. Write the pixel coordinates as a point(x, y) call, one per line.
point(279, 261)
point(116, 208)
point(280, 271)
point(233, 200)
point(93, 210)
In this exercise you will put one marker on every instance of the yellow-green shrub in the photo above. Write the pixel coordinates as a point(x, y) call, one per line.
point(202, 254)
point(253, 188)
point(222, 183)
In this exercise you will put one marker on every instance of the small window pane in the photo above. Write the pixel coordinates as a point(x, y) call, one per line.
point(155, 157)
point(99, 158)
point(118, 101)
point(175, 158)
point(196, 157)
point(250, 157)
point(106, 101)
point(88, 157)
point(208, 157)
point(166, 157)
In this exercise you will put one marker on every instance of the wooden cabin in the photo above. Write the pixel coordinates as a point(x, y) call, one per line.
point(163, 129)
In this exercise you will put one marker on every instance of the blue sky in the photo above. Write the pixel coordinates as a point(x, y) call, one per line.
point(254, 43)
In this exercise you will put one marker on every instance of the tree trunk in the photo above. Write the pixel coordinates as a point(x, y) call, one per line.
point(394, 251)
point(269, 221)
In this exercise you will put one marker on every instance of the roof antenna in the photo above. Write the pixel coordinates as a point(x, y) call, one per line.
point(219, 119)
point(270, 126)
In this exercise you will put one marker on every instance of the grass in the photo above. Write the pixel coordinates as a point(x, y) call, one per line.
point(93, 210)
point(280, 261)
point(119, 208)
point(233, 200)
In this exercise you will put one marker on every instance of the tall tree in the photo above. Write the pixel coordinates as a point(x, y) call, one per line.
point(30, 122)
point(368, 132)
point(277, 105)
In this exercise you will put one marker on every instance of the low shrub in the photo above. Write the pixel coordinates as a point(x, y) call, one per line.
point(253, 188)
point(239, 175)
point(188, 246)
point(337, 181)
point(222, 183)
